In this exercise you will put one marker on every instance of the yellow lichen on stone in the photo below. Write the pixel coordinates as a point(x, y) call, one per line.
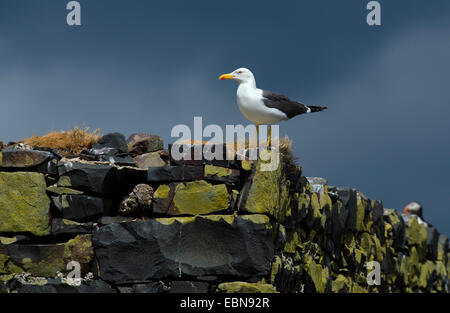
point(416, 235)
point(276, 266)
point(28, 161)
point(304, 201)
point(380, 251)
point(246, 165)
point(359, 254)
point(426, 271)
point(284, 209)
point(256, 218)
point(349, 242)
point(64, 202)
point(171, 220)
point(318, 274)
point(264, 193)
point(53, 260)
point(292, 241)
point(24, 204)
point(341, 284)
point(69, 222)
point(162, 192)
point(324, 199)
point(360, 211)
point(200, 197)
point(7, 240)
point(388, 230)
point(316, 208)
point(441, 251)
point(3, 260)
point(64, 181)
point(234, 195)
point(366, 243)
point(63, 190)
point(79, 249)
point(441, 270)
point(229, 218)
point(244, 287)
point(211, 170)
point(358, 289)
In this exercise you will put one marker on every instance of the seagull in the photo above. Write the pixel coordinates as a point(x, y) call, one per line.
point(262, 106)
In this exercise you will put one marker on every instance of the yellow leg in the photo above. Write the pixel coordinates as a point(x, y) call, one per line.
point(269, 141)
point(257, 135)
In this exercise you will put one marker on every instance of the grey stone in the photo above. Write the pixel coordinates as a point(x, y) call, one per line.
point(189, 287)
point(93, 178)
point(57, 286)
point(81, 207)
point(239, 246)
point(63, 227)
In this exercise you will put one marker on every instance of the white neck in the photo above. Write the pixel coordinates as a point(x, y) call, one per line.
point(251, 83)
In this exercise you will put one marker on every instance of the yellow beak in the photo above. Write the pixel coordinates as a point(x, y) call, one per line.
point(226, 76)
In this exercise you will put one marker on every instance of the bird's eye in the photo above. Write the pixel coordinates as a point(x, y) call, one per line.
point(239, 72)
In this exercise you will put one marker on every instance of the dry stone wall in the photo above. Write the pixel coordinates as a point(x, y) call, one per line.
point(136, 220)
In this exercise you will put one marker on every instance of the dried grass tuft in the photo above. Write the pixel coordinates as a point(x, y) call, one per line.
point(67, 142)
point(289, 160)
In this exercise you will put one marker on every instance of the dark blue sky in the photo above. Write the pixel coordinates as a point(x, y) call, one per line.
point(144, 66)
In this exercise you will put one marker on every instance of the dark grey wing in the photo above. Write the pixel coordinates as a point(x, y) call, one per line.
point(284, 104)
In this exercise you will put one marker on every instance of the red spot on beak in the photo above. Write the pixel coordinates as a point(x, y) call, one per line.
point(405, 210)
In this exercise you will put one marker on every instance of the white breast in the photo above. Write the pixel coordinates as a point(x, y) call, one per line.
point(249, 100)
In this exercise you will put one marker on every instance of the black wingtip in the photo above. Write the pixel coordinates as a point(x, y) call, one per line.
point(316, 108)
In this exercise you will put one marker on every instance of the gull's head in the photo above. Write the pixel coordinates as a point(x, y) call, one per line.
point(241, 75)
